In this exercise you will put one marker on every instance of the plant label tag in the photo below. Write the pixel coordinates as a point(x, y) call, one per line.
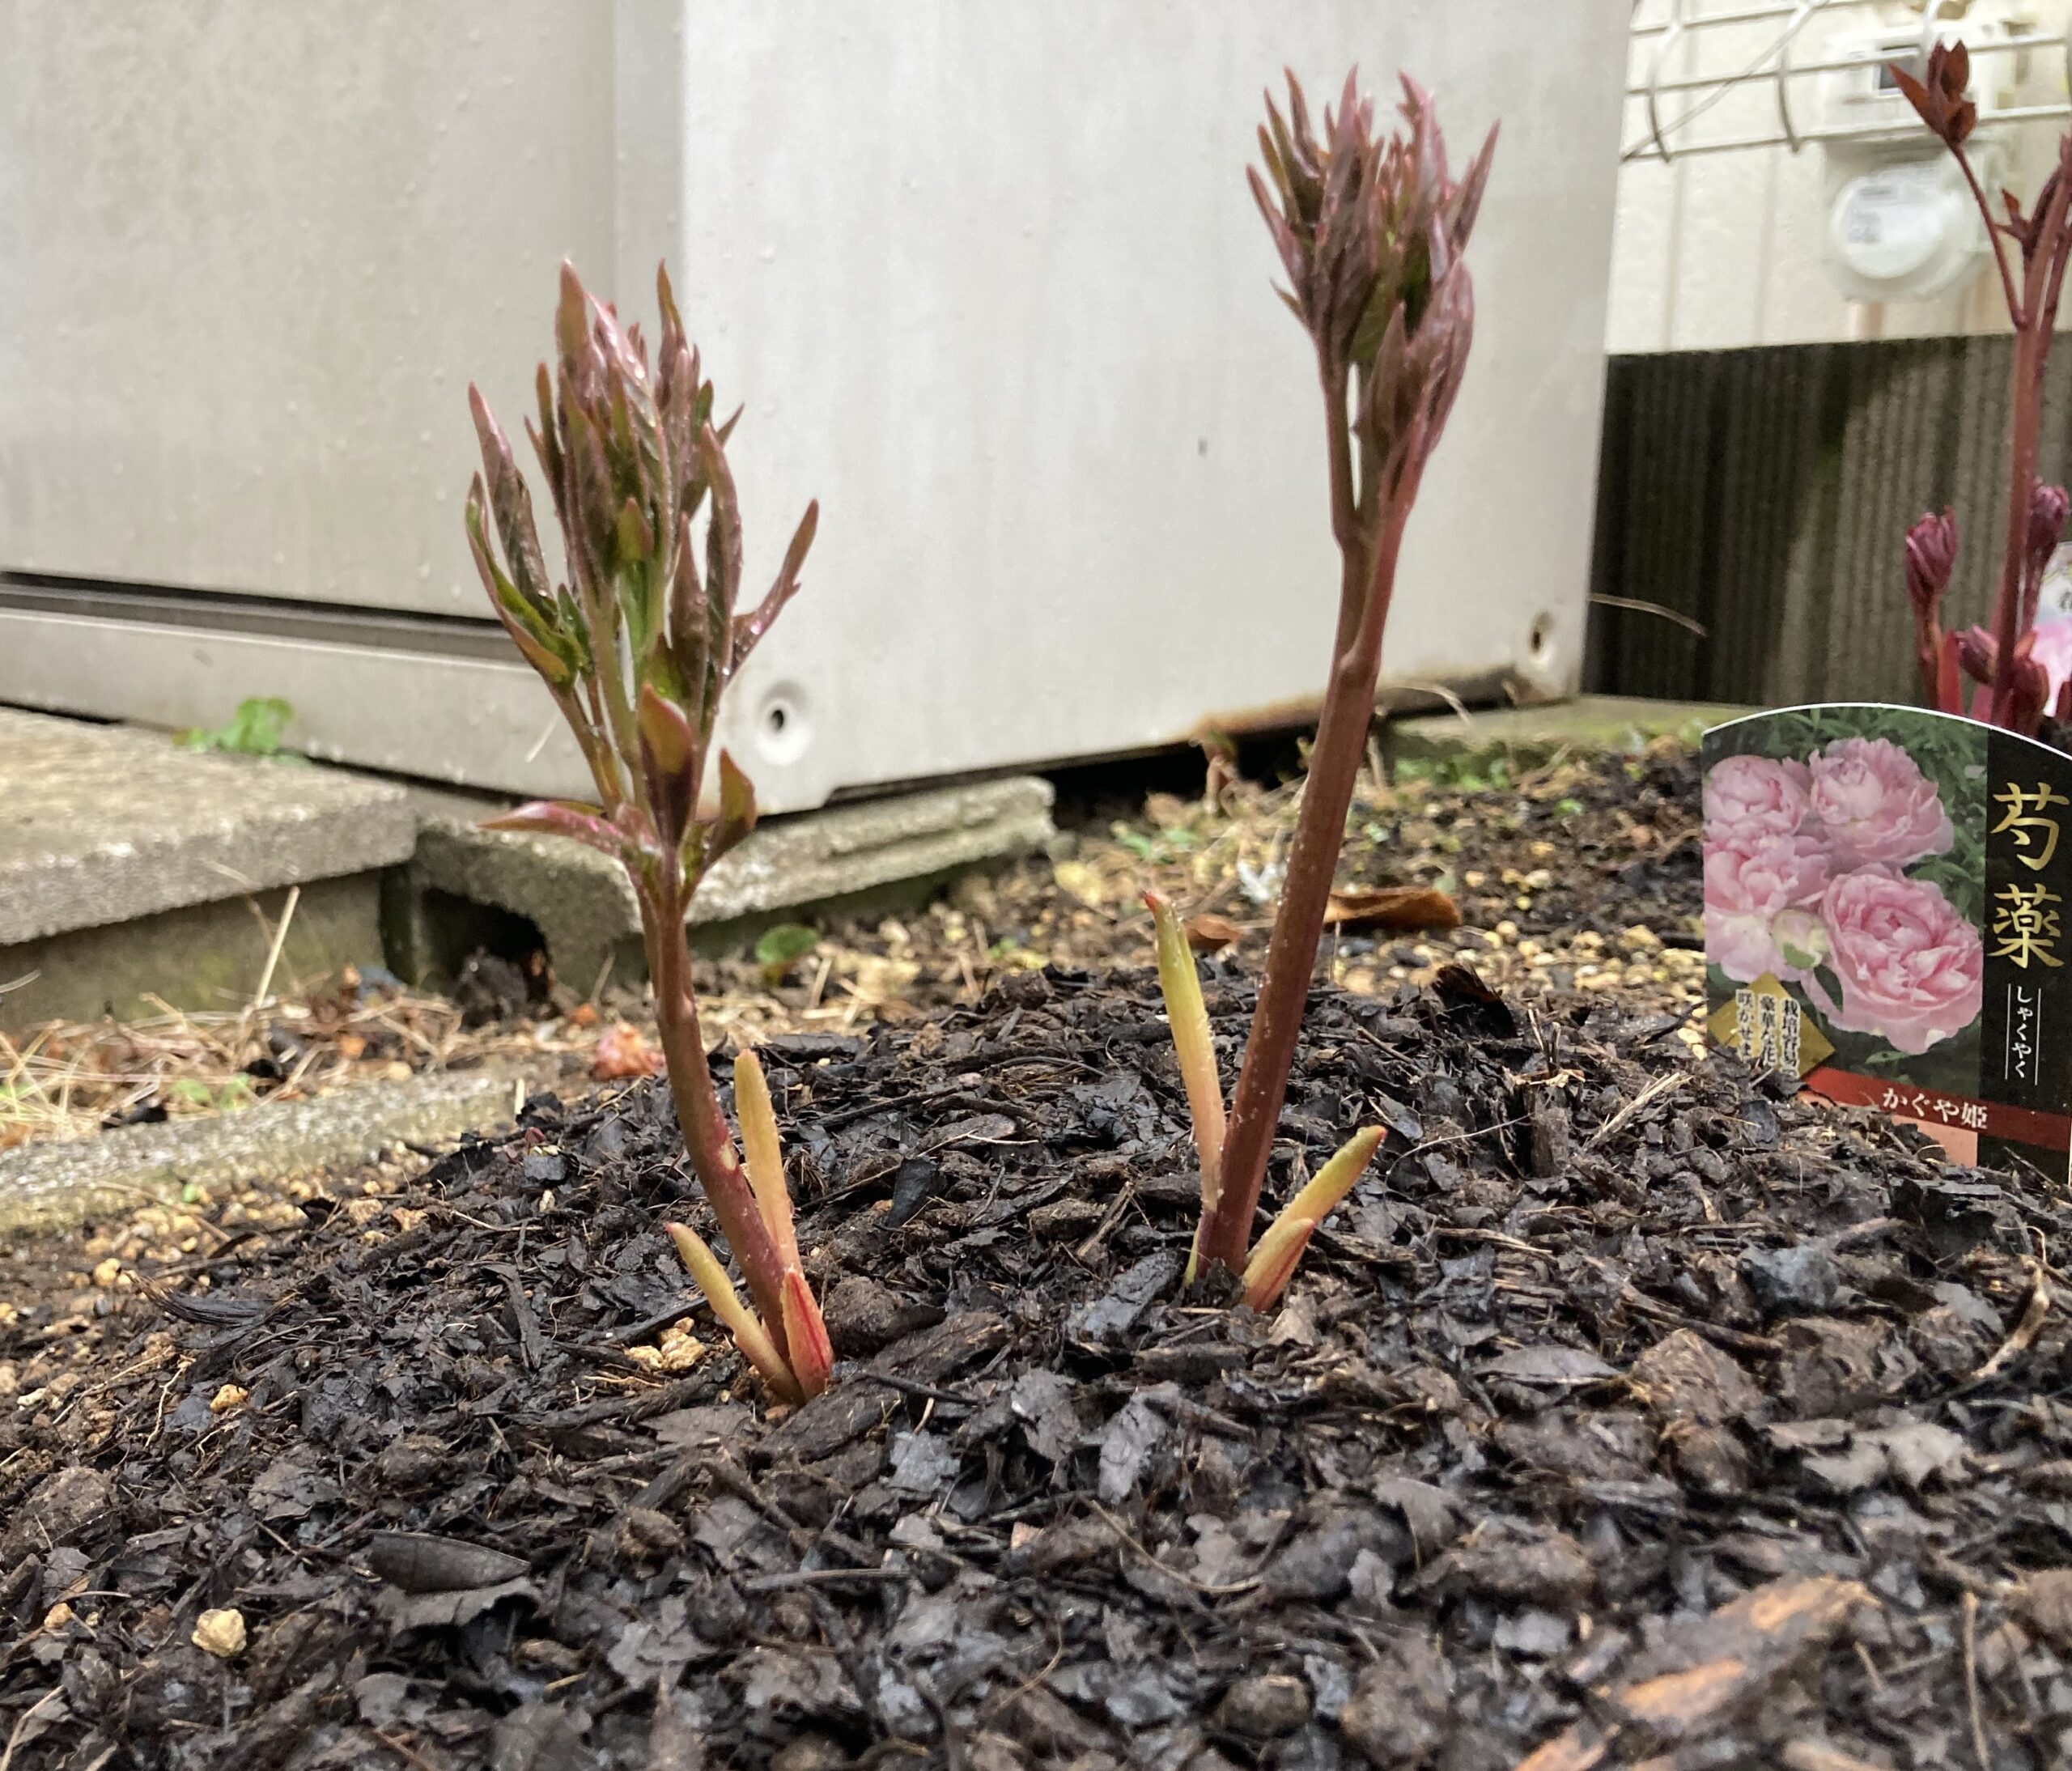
point(1888, 917)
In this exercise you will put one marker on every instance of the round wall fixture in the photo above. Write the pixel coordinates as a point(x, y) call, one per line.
point(1906, 230)
point(781, 730)
point(1901, 224)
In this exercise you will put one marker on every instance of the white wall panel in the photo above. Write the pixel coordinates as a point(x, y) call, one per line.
point(986, 275)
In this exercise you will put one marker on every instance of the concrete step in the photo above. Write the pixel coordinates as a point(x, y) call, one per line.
point(130, 869)
point(1529, 736)
point(127, 864)
point(54, 1186)
point(843, 858)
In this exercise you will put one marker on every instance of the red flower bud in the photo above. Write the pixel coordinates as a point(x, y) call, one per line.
point(1932, 556)
point(1977, 654)
point(2023, 708)
point(2048, 506)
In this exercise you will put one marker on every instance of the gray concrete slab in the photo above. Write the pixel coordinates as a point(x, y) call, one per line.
point(52, 1187)
point(1533, 735)
point(584, 909)
point(202, 957)
point(101, 825)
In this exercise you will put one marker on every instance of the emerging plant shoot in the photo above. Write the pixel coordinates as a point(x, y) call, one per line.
point(637, 648)
point(1370, 232)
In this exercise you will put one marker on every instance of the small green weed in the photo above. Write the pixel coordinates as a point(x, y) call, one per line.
point(781, 947)
point(256, 730)
point(224, 1099)
point(1471, 774)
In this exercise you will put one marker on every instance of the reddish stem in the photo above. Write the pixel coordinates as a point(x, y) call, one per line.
point(2007, 609)
point(706, 1135)
point(1335, 762)
point(1344, 502)
point(1993, 234)
point(1928, 653)
point(2035, 317)
point(1947, 692)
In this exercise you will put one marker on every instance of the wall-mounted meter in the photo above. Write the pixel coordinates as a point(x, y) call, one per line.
point(1902, 225)
point(1902, 228)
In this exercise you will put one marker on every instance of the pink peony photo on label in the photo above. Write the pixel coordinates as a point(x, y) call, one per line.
point(1912, 969)
point(1846, 919)
point(1888, 918)
point(1873, 805)
point(1752, 795)
point(1751, 879)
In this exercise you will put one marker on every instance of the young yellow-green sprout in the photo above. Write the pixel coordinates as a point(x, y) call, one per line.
point(1181, 987)
point(812, 1357)
point(764, 1154)
point(1274, 1256)
point(742, 1322)
point(805, 1333)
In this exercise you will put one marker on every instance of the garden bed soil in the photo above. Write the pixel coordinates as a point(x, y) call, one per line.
point(1582, 875)
point(1632, 1411)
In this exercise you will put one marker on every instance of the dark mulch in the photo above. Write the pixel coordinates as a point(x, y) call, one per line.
point(1633, 1410)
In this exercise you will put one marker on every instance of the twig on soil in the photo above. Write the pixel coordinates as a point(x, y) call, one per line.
point(400, 1750)
point(640, 1331)
point(1971, 1681)
point(274, 951)
point(444, 1210)
point(1124, 1199)
point(2026, 1330)
point(908, 1387)
point(833, 1122)
point(404, 1031)
point(658, 1400)
point(1122, 1531)
point(1465, 1232)
point(1734, 1339)
point(1653, 1092)
point(825, 1577)
point(22, 1722)
point(1870, 1666)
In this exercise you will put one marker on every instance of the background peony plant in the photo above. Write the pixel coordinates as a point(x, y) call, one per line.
point(2021, 666)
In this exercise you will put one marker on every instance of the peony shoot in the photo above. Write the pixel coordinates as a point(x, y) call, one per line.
point(1370, 230)
point(636, 649)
